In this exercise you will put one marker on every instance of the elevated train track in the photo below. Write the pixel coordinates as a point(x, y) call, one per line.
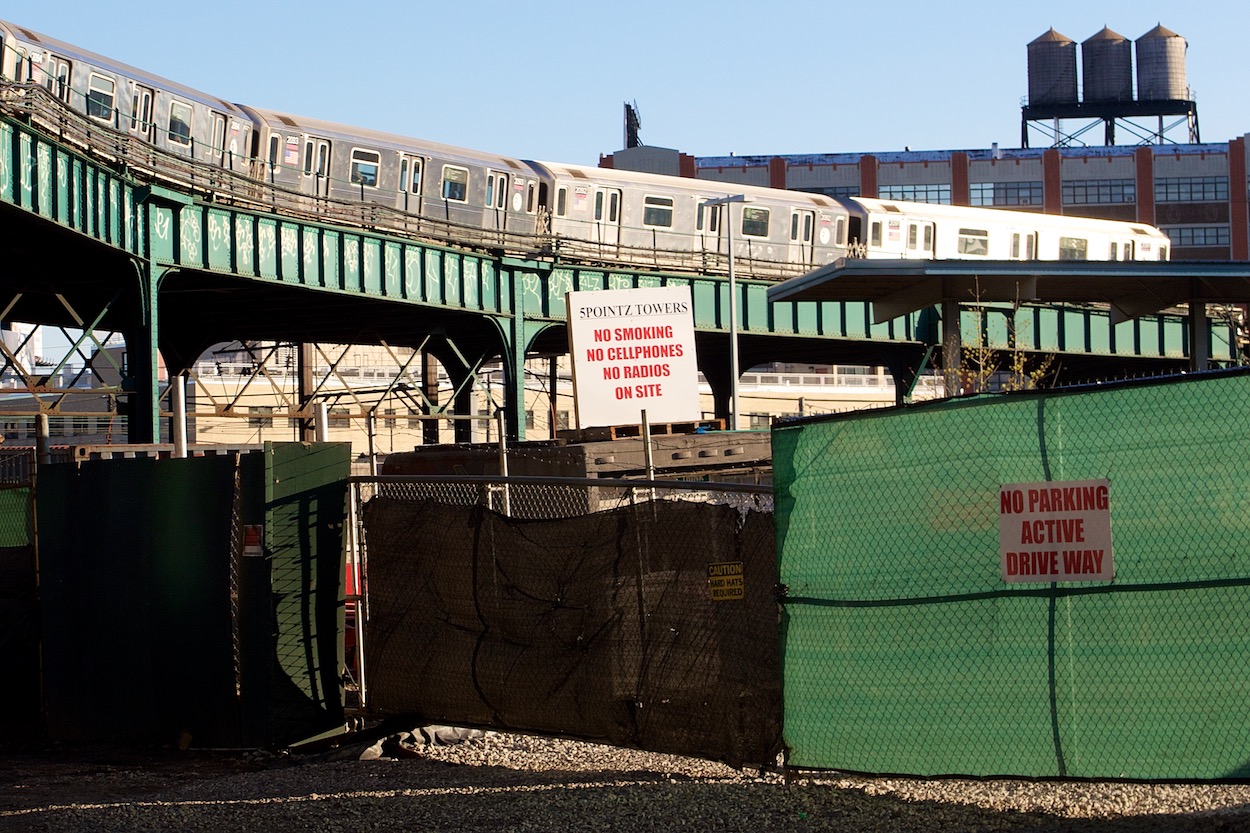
point(110, 232)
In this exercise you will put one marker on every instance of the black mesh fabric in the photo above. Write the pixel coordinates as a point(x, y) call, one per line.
point(602, 627)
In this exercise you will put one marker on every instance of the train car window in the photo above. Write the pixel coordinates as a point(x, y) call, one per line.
point(100, 97)
point(974, 242)
point(275, 145)
point(809, 222)
point(1073, 248)
point(875, 239)
point(416, 176)
point(455, 183)
point(794, 228)
point(562, 202)
point(614, 207)
point(755, 221)
point(912, 236)
point(323, 159)
point(1015, 246)
point(308, 158)
point(179, 123)
point(365, 165)
point(928, 238)
point(840, 236)
point(531, 192)
point(598, 205)
point(657, 211)
point(1115, 250)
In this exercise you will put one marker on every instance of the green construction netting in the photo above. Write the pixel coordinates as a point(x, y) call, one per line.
point(905, 651)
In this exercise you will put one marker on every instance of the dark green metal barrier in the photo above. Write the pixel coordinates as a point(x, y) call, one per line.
point(905, 650)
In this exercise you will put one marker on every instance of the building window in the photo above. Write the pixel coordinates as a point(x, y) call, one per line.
point(974, 242)
point(340, 416)
point(935, 194)
point(1073, 248)
point(835, 191)
point(365, 167)
point(255, 421)
point(1099, 191)
point(100, 91)
point(1198, 235)
point(1192, 189)
point(562, 420)
point(179, 123)
point(657, 211)
point(455, 183)
point(759, 421)
point(1005, 193)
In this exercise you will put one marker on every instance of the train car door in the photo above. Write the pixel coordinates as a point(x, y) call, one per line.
point(141, 122)
point(802, 226)
point(316, 166)
point(607, 216)
point(707, 225)
point(217, 139)
point(411, 169)
point(919, 242)
point(495, 206)
point(58, 72)
point(1023, 245)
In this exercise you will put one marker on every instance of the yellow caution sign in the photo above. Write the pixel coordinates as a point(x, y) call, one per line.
point(725, 581)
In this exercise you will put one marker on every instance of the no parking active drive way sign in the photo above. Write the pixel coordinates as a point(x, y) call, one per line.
point(1055, 531)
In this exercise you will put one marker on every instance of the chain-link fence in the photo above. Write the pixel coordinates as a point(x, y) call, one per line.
point(638, 614)
point(919, 638)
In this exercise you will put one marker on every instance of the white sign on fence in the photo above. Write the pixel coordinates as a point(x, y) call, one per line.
point(1056, 531)
point(633, 350)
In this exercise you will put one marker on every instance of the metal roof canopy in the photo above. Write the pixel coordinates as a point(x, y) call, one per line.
point(1131, 289)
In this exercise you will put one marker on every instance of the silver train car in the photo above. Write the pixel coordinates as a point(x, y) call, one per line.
point(612, 213)
point(598, 214)
point(163, 113)
point(889, 229)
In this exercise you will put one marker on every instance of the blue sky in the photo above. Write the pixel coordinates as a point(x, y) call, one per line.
point(546, 80)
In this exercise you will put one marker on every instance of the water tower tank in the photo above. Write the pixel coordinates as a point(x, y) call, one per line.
point(1107, 67)
point(1052, 70)
point(1161, 66)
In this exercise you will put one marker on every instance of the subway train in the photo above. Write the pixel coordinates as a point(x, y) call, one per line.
point(531, 207)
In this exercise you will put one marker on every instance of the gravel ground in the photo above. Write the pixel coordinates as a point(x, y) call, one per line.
point(515, 783)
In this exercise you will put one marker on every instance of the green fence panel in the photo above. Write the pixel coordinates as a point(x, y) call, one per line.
point(906, 651)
